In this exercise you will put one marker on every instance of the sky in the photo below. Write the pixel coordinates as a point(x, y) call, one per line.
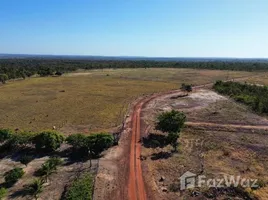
point(151, 28)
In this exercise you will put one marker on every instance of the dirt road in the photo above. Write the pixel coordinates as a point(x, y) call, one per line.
point(242, 126)
point(136, 186)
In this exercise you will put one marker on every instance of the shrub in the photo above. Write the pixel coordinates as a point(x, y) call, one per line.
point(3, 78)
point(48, 140)
point(50, 166)
point(81, 188)
point(3, 193)
point(35, 188)
point(58, 73)
point(13, 176)
point(26, 159)
point(186, 87)
point(5, 134)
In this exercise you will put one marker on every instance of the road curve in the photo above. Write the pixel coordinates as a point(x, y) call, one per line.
point(136, 186)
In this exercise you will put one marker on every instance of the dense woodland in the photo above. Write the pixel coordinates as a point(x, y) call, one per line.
point(22, 68)
point(256, 97)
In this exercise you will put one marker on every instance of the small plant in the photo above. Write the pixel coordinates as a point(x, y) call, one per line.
point(25, 159)
point(3, 193)
point(35, 188)
point(186, 87)
point(81, 188)
point(49, 167)
point(13, 176)
point(174, 187)
point(5, 134)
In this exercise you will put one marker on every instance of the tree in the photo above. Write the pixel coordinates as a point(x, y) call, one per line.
point(35, 188)
point(3, 193)
point(48, 140)
point(12, 176)
point(99, 142)
point(3, 78)
point(170, 122)
point(79, 145)
point(5, 134)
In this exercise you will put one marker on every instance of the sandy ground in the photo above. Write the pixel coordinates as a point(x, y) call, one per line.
point(210, 113)
point(57, 182)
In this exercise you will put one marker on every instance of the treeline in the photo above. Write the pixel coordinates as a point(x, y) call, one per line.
point(21, 68)
point(256, 97)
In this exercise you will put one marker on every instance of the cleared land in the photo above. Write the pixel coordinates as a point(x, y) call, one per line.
point(206, 149)
point(89, 101)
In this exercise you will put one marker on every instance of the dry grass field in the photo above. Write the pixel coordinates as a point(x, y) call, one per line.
point(90, 100)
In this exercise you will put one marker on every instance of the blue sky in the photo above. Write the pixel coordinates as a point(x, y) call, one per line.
point(166, 28)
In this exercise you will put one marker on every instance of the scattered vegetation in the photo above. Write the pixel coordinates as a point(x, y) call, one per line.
point(13, 176)
point(3, 193)
point(81, 188)
point(256, 97)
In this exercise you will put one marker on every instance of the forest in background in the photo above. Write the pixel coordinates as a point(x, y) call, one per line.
point(27, 67)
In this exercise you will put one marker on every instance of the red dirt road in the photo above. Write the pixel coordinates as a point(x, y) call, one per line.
point(136, 186)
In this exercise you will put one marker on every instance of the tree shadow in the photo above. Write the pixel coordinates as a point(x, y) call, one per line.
point(154, 141)
point(19, 193)
point(161, 155)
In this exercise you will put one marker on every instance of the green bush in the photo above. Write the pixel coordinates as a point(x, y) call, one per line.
point(81, 188)
point(5, 134)
point(13, 176)
point(3, 193)
point(48, 140)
